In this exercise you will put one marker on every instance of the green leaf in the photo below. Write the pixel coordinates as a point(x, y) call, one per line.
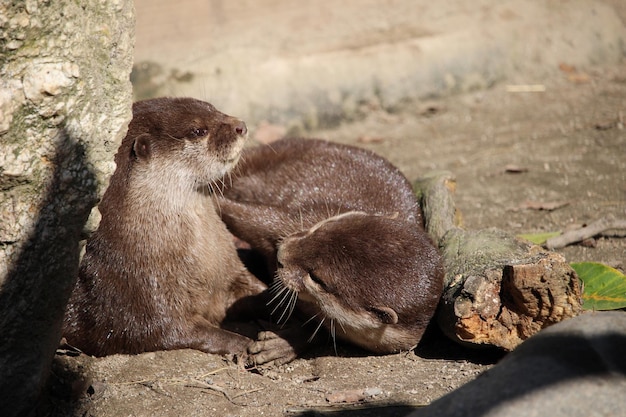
point(605, 287)
point(539, 238)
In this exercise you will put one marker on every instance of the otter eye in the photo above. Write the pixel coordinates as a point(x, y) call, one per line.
point(199, 132)
point(317, 280)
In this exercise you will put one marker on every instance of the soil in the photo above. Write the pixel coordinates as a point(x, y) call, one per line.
point(566, 144)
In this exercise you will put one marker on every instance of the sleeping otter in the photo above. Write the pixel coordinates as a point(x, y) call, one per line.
point(161, 272)
point(343, 230)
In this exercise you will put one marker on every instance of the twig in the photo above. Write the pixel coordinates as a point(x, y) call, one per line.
point(216, 371)
point(250, 391)
point(596, 228)
point(187, 382)
point(194, 383)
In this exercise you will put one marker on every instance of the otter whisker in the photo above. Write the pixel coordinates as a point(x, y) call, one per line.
point(273, 290)
point(312, 318)
point(269, 145)
point(276, 282)
point(216, 200)
point(332, 334)
point(276, 296)
point(328, 212)
point(294, 301)
point(283, 300)
point(316, 330)
point(175, 138)
point(284, 292)
point(220, 189)
point(342, 328)
point(276, 291)
point(289, 307)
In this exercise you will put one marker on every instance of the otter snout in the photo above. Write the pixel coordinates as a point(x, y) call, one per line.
point(240, 127)
point(291, 277)
point(229, 140)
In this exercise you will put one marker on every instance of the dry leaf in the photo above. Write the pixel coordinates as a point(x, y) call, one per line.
point(579, 78)
point(567, 68)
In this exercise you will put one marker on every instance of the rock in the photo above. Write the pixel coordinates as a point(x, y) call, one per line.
point(65, 101)
point(574, 368)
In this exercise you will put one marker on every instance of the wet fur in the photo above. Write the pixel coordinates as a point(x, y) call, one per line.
point(344, 232)
point(161, 271)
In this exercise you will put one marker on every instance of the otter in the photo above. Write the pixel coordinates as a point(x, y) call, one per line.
point(342, 230)
point(161, 272)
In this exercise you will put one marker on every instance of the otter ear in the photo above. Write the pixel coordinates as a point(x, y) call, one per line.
point(142, 146)
point(387, 315)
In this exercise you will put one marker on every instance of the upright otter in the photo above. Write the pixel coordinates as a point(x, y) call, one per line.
point(161, 271)
point(345, 231)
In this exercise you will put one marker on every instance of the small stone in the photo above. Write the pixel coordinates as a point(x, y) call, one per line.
point(372, 392)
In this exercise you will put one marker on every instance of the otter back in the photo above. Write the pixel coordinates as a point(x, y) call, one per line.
point(344, 231)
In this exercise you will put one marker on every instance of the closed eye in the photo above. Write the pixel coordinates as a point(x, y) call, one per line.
point(318, 281)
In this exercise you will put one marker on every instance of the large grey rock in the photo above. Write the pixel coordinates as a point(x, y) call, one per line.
point(65, 101)
point(314, 63)
point(574, 368)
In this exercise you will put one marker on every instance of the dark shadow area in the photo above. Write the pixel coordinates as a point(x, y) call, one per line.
point(542, 361)
point(433, 345)
point(436, 345)
point(255, 263)
point(362, 410)
point(40, 280)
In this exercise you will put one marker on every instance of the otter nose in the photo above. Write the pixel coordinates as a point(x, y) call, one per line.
point(240, 128)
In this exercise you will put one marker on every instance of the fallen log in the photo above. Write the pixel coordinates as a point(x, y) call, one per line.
point(499, 290)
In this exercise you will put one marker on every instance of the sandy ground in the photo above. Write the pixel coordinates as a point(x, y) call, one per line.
point(566, 145)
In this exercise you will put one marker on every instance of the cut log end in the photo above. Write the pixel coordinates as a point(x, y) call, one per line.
point(499, 290)
point(528, 297)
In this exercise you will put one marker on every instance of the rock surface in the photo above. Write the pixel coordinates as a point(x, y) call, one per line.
point(574, 368)
point(65, 101)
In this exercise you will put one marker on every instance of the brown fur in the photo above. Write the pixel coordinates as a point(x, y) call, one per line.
point(346, 231)
point(161, 271)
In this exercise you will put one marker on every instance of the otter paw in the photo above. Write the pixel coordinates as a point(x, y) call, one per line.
point(271, 348)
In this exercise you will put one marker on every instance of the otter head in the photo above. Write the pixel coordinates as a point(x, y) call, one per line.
point(364, 271)
point(186, 137)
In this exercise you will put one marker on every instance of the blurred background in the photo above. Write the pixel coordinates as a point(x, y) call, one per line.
point(307, 65)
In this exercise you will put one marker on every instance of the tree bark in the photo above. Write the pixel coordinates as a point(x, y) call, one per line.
point(499, 290)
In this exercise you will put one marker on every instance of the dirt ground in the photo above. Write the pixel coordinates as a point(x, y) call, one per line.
point(566, 144)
